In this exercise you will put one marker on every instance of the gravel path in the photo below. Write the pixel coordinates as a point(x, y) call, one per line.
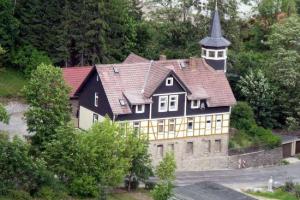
point(17, 124)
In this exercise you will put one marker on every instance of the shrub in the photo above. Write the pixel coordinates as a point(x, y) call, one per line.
point(240, 140)
point(292, 124)
point(289, 186)
point(264, 137)
point(48, 193)
point(242, 116)
point(162, 191)
point(297, 191)
point(19, 195)
point(85, 186)
point(150, 185)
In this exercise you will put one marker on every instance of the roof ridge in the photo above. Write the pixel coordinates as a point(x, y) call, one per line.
point(147, 77)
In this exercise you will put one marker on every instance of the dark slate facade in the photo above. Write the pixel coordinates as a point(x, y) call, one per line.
point(87, 93)
point(135, 116)
point(216, 64)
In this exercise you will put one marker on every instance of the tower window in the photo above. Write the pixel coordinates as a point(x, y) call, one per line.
point(211, 54)
point(204, 52)
point(220, 54)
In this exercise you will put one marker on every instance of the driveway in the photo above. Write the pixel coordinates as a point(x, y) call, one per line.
point(17, 124)
point(242, 178)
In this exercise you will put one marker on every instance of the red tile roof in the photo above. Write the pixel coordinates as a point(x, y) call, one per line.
point(74, 76)
point(137, 81)
point(133, 58)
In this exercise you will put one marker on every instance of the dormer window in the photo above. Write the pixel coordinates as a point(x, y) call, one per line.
point(169, 81)
point(122, 102)
point(139, 108)
point(202, 105)
point(116, 71)
point(195, 104)
point(96, 99)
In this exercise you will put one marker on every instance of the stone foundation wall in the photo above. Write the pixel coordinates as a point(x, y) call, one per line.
point(255, 159)
point(201, 159)
point(206, 154)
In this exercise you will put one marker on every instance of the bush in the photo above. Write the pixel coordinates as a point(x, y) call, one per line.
point(242, 116)
point(240, 140)
point(297, 191)
point(265, 137)
point(19, 195)
point(292, 124)
point(289, 186)
point(162, 191)
point(85, 186)
point(48, 193)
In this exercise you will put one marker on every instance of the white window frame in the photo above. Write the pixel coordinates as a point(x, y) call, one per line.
point(95, 118)
point(172, 122)
point(142, 110)
point(169, 81)
point(161, 123)
point(208, 121)
point(175, 101)
point(205, 54)
point(190, 120)
point(193, 106)
point(96, 99)
point(219, 122)
point(160, 101)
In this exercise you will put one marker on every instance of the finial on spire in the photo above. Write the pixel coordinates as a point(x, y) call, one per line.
point(216, 8)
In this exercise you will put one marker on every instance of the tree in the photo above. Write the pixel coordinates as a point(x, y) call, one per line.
point(47, 95)
point(3, 115)
point(140, 163)
point(256, 89)
point(18, 169)
point(242, 116)
point(28, 58)
point(166, 174)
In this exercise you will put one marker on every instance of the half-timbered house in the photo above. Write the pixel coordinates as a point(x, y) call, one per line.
point(182, 105)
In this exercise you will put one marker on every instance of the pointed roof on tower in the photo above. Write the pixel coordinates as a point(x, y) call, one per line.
point(215, 39)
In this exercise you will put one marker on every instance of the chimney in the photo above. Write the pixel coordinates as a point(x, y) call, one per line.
point(162, 57)
point(193, 63)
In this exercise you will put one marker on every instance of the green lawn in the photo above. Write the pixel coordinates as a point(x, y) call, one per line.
point(11, 82)
point(277, 194)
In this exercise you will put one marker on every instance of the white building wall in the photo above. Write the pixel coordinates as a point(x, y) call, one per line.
point(86, 118)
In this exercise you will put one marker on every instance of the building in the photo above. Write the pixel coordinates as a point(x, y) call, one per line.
point(182, 105)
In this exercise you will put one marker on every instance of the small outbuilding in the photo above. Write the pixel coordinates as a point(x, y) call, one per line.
point(290, 145)
point(208, 191)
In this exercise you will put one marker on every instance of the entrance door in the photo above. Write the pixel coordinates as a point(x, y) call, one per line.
point(287, 150)
point(297, 147)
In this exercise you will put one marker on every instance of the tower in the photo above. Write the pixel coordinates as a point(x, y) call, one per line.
point(214, 47)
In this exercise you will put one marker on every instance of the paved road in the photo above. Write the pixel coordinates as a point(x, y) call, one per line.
point(17, 124)
point(243, 178)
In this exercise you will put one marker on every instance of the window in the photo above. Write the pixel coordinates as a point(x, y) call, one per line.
point(211, 54)
point(140, 108)
point(173, 102)
point(219, 122)
point(208, 122)
point(160, 126)
point(95, 118)
point(96, 99)
point(160, 150)
point(171, 148)
point(195, 104)
point(169, 81)
point(189, 147)
point(163, 104)
point(204, 52)
point(207, 145)
point(190, 124)
point(218, 146)
point(220, 54)
point(171, 125)
point(136, 127)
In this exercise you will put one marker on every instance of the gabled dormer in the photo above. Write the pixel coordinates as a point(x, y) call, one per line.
point(214, 47)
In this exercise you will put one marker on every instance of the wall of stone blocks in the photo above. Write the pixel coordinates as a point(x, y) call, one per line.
point(256, 159)
point(202, 157)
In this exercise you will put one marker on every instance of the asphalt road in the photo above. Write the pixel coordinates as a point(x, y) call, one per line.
point(243, 178)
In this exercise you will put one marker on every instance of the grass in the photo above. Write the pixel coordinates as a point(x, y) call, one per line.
point(11, 82)
point(277, 194)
